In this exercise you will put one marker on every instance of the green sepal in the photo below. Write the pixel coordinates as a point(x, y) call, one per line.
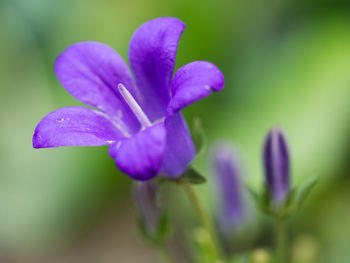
point(262, 200)
point(144, 232)
point(291, 204)
point(157, 235)
point(192, 176)
point(282, 210)
point(265, 201)
point(198, 135)
point(164, 229)
point(304, 191)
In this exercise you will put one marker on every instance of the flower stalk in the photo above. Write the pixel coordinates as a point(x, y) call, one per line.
point(282, 255)
point(203, 218)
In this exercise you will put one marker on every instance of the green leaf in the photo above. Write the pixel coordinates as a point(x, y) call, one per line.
point(266, 200)
point(256, 197)
point(192, 176)
point(163, 228)
point(198, 134)
point(305, 190)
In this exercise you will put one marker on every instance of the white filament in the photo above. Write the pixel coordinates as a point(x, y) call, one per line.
point(134, 106)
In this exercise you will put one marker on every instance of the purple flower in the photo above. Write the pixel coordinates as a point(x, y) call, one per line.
point(230, 188)
point(145, 194)
point(138, 114)
point(276, 162)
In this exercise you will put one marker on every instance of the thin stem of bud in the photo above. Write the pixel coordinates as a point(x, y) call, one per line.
point(282, 254)
point(203, 218)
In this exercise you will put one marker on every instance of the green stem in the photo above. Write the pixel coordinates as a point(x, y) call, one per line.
point(282, 240)
point(164, 254)
point(203, 218)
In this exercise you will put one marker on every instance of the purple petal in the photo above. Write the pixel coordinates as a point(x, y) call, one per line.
point(152, 52)
point(141, 155)
point(75, 126)
point(145, 195)
point(230, 187)
point(276, 163)
point(180, 149)
point(90, 72)
point(193, 82)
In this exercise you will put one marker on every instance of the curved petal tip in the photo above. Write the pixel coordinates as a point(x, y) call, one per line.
point(193, 82)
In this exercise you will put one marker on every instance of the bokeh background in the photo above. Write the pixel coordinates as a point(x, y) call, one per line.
point(286, 63)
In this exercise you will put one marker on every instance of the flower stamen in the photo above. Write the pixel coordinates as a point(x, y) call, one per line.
point(134, 106)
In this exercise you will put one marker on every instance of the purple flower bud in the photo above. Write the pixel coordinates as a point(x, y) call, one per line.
point(276, 162)
point(230, 188)
point(145, 195)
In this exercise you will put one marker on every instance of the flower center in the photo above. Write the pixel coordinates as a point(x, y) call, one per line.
point(134, 106)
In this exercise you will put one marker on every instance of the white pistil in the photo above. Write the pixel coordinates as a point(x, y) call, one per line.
point(134, 106)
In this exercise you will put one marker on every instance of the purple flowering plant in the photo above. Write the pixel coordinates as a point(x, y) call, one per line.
point(280, 200)
point(138, 112)
point(280, 197)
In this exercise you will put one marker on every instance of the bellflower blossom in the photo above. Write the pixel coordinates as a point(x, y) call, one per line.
point(230, 188)
point(276, 163)
point(137, 114)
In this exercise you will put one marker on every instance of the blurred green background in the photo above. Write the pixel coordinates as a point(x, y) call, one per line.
point(285, 62)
